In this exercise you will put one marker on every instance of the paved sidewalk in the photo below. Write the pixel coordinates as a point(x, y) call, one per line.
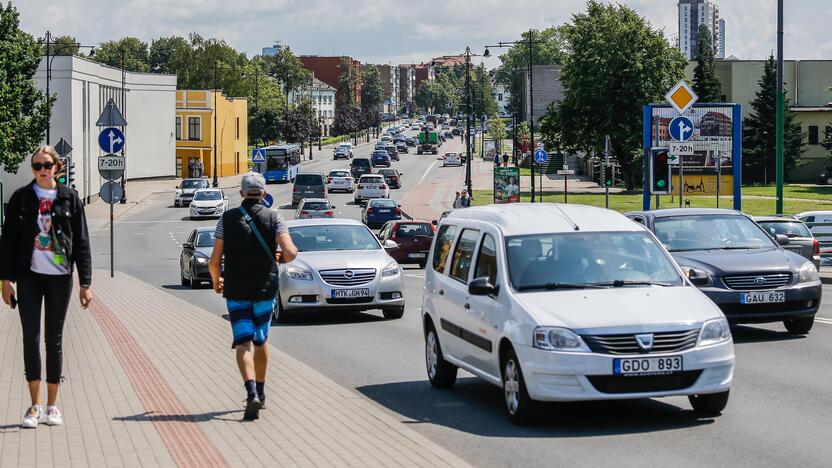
point(151, 381)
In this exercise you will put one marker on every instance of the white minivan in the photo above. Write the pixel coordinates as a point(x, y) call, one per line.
point(567, 303)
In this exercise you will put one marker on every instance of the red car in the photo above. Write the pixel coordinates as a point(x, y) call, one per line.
point(412, 237)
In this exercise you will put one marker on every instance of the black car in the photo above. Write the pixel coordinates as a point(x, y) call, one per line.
point(825, 176)
point(739, 266)
point(411, 141)
point(392, 176)
point(380, 158)
point(401, 147)
point(392, 152)
point(456, 131)
point(195, 255)
point(359, 167)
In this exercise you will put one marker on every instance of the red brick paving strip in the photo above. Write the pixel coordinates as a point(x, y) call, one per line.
point(186, 442)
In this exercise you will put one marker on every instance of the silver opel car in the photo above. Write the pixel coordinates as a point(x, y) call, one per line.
point(341, 266)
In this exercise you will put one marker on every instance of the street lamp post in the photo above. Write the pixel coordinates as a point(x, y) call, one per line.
point(47, 40)
point(216, 181)
point(530, 42)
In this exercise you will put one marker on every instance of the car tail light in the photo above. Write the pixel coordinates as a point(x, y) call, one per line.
point(329, 213)
point(360, 186)
point(304, 212)
point(384, 186)
point(815, 247)
point(398, 210)
point(369, 211)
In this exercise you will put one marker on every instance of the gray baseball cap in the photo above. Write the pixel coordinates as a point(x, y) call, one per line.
point(253, 184)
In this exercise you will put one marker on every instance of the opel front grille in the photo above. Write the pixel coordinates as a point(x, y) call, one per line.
point(348, 277)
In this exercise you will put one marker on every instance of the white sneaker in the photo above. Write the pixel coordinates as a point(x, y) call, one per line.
point(32, 417)
point(54, 416)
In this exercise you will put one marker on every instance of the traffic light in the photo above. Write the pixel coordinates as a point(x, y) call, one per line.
point(62, 176)
point(609, 175)
point(660, 180)
point(70, 171)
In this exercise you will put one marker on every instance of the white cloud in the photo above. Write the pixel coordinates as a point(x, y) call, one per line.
point(399, 30)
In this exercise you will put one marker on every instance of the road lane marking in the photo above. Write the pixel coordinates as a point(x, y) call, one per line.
point(144, 222)
point(823, 320)
point(426, 173)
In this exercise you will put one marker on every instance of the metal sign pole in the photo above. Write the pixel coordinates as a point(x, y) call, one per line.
point(540, 172)
point(604, 172)
point(565, 189)
point(112, 248)
point(681, 178)
point(718, 159)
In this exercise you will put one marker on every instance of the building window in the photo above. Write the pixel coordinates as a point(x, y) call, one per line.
point(237, 128)
point(500, 97)
point(194, 128)
point(813, 135)
point(178, 127)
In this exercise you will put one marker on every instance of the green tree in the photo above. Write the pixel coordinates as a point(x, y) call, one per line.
point(61, 45)
point(617, 63)
point(136, 58)
point(759, 129)
point(827, 140)
point(549, 127)
point(705, 83)
point(288, 69)
point(24, 109)
point(497, 131)
point(347, 83)
point(482, 93)
point(263, 126)
point(552, 50)
point(372, 93)
point(347, 119)
point(168, 54)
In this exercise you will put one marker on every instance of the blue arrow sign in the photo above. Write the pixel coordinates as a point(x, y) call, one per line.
point(541, 156)
point(681, 128)
point(267, 201)
point(111, 140)
point(258, 156)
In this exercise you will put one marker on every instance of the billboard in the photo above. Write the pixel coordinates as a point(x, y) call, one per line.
point(715, 167)
point(489, 150)
point(506, 185)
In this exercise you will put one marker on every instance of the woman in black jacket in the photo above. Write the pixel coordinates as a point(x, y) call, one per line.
point(44, 237)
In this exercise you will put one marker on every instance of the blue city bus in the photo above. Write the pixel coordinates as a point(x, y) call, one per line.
point(282, 162)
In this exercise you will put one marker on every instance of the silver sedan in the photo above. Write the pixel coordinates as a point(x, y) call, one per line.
point(341, 266)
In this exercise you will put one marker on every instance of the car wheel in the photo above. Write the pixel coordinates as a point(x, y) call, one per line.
point(520, 406)
point(392, 313)
point(709, 405)
point(193, 282)
point(280, 314)
point(441, 373)
point(799, 326)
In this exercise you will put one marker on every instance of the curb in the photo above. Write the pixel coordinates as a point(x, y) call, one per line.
point(826, 277)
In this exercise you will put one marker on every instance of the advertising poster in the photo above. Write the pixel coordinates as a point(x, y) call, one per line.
point(506, 185)
point(490, 150)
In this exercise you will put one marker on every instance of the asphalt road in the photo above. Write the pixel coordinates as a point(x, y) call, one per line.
point(779, 413)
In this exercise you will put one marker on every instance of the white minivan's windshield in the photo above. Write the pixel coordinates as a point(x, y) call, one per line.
point(710, 232)
point(593, 259)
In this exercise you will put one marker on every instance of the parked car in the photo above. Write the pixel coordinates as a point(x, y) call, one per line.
point(567, 303)
point(185, 191)
point(196, 252)
point(380, 210)
point(371, 186)
point(359, 167)
point(381, 158)
point(314, 208)
point(340, 179)
point(308, 185)
point(208, 203)
point(392, 152)
point(341, 266)
point(739, 266)
point(412, 237)
point(825, 176)
point(392, 177)
point(451, 159)
point(801, 240)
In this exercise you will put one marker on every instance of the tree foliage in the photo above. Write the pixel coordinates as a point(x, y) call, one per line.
point(347, 119)
point(61, 45)
point(347, 83)
point(263, 126)
point(549, 124)
point(299, 123)
point(372, 93)
point(287, 68)
point(705, 83)
point(827, 140)
point(617, 63)
point(134, 50)
point(24, 110)
point(168, 54)
point(482, 93)
point(759, 129)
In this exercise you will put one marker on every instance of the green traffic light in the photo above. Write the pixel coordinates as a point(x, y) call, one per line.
point(661, 183)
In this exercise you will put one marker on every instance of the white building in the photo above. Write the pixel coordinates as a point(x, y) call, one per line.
point(82, 88)
point(323, 100)
point(502, 96)
point(693, 13)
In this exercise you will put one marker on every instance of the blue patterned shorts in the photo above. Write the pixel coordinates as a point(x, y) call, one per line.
point(250, 320)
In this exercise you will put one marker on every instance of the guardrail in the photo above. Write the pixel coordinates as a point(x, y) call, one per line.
point(823, 233)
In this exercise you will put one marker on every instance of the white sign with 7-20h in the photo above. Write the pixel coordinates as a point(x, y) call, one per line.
point(111, 166)
point(680, 148)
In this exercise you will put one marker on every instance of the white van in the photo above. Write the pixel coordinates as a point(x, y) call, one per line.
point(567, 303)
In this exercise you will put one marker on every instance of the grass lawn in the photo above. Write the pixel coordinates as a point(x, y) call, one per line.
point(822, 192)
point(628, 202)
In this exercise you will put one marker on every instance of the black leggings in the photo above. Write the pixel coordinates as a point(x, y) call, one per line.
point(53, 291)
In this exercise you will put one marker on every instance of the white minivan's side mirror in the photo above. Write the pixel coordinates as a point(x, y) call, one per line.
point(390, 245)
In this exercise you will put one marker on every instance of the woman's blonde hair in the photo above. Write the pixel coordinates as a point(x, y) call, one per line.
point(49, 150)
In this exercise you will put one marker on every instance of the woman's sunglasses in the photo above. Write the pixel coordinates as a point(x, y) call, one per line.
point(46, 165)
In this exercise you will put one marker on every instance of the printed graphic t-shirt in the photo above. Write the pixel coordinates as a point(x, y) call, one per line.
point(44, 259)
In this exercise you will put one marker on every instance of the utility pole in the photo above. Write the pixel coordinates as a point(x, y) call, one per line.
point(531, 110)
point(780, 108)
point(216, 85)
point(124, 113)
point(468, 120)
point(604, 172)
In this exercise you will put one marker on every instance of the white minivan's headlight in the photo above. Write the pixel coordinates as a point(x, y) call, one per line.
point(298, 273)
point(392, 269)
point(808, 273)
point(714, 331)
point(558, 339)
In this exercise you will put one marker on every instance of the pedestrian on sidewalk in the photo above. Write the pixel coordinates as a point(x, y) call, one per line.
point(249, 237)
point(457, 200)
point(191, 168)
point(497, 160)
point(199, 167)
point(44, 236)
point(465, 199)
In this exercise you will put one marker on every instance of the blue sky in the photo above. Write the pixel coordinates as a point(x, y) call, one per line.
point(401, 31)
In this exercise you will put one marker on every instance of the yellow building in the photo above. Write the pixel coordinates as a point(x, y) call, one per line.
point(195, 132)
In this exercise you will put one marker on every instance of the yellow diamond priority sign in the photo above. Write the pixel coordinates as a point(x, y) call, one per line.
point(681, 97)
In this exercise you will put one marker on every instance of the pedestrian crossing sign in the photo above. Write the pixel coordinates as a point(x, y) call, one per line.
point(258, 156)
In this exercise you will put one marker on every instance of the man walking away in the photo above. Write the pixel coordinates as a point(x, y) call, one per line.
point(199, 168)
point(457, 201)
point(248, 237)
point(465, 199)
point(497, 160)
